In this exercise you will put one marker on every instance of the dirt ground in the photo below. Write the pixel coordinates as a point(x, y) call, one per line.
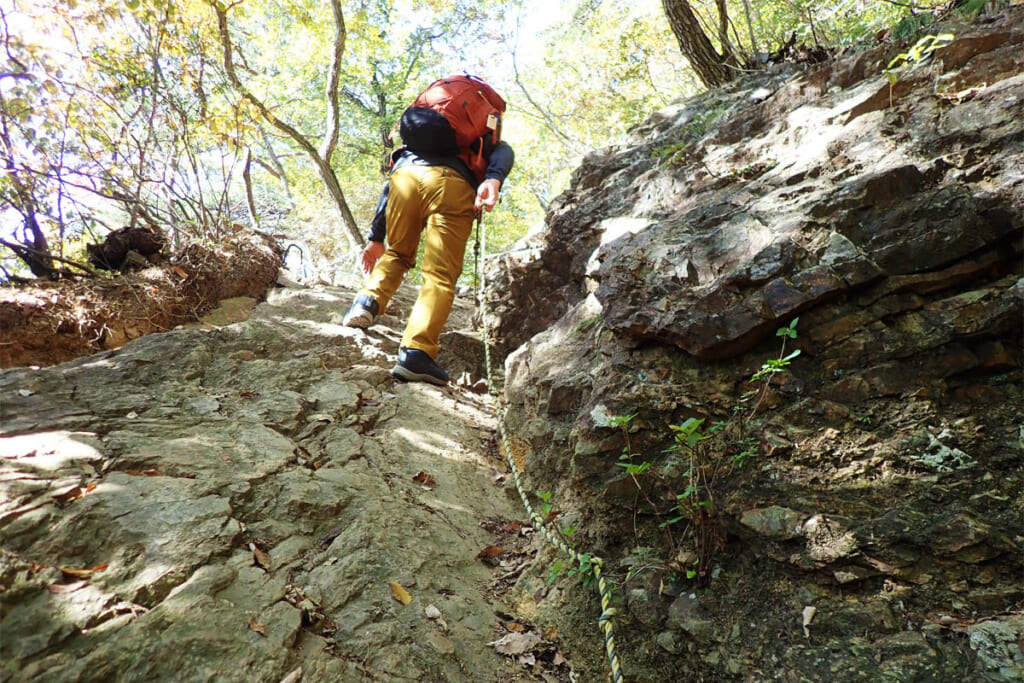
point(45, 323)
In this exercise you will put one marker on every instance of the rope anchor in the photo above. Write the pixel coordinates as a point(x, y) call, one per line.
point(584, 560)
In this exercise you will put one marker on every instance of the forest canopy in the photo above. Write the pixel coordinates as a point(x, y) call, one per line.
point(202, 118)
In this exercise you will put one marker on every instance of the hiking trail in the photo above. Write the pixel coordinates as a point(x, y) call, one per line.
point(261, 501)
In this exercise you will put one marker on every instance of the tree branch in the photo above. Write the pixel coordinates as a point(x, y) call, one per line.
point(330, 140)
point(327, 176)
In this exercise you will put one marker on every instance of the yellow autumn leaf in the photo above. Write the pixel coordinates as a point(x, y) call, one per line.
point(399, 593)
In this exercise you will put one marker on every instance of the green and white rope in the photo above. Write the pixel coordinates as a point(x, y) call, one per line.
point(584, 560)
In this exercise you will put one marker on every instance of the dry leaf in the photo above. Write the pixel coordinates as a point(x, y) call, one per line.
point(516, 643)
point(260, 556)
point(558, 659)
point(82, 573)
point(59, 588)
point(514, 626)
point(399, 593)
point(424, 480)
point(74, 493)
point(808, 617)
point(257, 626)
point(490, 551)
point(179, 271)
point(248, 394)
point(512, 526)
point(293, 677)
point(225, 458)
point(432, 612)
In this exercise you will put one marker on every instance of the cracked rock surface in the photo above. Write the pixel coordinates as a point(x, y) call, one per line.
point(236, 504)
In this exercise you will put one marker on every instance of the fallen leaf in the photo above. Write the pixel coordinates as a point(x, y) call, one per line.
point(179, 272)
point(293, 677)
point(558, 659)
point(424, 480)
point(399, 593)
point(257, 626)
point(808, 617)
point(490, 551)
point(432, 612)
point(551, 516)
point(248, 394)
point(59, 588)
point(74, 493)
point(225, 458)
point(514, 626)
point(82, 573)
point(512, 526)
point(516, 643)
point(260, 556)
point(527, 659)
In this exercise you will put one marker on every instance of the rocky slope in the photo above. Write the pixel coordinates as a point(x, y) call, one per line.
point(858, 515)
point(258, 502)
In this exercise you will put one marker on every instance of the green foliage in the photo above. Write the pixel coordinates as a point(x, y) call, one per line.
point(545, 507)
point(969, 8)
point(699, 455)
point(921, 49)
point(582, 573)
point(910, 25)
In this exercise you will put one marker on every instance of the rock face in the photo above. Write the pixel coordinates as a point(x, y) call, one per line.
point(235, 504)
point(873, 483)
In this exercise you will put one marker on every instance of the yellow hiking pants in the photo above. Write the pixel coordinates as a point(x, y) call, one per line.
point(440, 200)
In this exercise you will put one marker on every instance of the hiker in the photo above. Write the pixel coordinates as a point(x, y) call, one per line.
point(451, 167)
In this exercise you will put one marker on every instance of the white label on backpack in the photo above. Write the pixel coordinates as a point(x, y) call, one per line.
point(492, 121)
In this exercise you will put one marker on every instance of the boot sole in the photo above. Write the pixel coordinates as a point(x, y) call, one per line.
point(407, 375)
point(359, 320)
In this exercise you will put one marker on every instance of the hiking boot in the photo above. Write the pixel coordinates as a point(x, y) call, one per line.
point(416, 366)
point(364, 309)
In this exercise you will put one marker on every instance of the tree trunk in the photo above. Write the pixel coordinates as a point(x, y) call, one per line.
point(250, 200)
point(728, 54)
point(711, 67)
point(750, 27)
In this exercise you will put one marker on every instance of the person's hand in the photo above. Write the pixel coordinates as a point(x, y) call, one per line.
point(372, 252)
point(487, 194)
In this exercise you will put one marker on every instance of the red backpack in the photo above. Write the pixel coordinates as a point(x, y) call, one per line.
point(470, 107)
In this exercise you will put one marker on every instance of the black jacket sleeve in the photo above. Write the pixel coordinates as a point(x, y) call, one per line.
point(378, 226)
point(499, 164)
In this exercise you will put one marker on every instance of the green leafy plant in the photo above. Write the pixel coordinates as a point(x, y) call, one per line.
point(582, 572)
point(920, 50)
point(773, 366)
point(545, 506)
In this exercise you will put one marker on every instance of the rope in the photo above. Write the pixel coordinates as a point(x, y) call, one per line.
point(586, 561)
